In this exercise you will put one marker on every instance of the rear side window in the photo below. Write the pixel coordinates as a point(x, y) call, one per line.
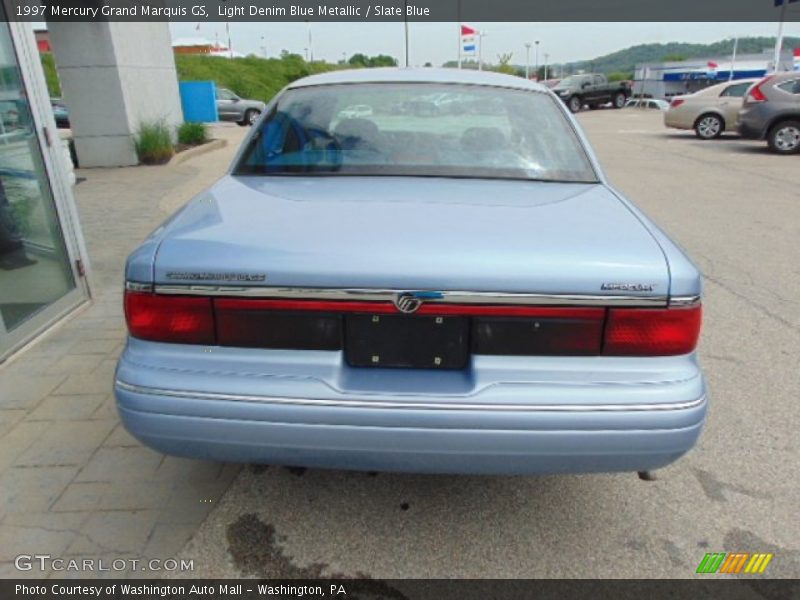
point(737, 91)
point(793, 86)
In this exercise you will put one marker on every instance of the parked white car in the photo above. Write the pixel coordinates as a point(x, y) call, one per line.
point(647, 104)
point(355, 112)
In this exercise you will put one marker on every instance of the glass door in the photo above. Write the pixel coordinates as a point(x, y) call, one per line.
point(39, 281)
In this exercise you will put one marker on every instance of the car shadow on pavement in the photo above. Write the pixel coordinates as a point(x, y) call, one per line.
point(324, 521)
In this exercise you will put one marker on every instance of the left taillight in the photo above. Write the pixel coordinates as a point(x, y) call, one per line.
point(652, 331)
point(175, 319)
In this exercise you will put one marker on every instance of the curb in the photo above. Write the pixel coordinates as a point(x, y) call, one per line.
point(189, 154)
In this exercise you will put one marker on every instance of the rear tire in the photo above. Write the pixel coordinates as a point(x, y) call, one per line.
point(709, 126)
point(619, 100)
point(784, 137)
point(575, 104)
point(251, 116)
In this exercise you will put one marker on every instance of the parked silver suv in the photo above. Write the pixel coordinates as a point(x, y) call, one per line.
point(771, 111)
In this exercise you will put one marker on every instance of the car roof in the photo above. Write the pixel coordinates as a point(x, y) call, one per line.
point(418, 75)
point(731, 82)
point(783, 76)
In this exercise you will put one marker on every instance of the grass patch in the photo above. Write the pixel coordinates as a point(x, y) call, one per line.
point(192, 134)
point(154, 143)
point(50, 74)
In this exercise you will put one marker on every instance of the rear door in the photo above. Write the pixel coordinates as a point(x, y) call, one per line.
point(226, 105)
point(730, 101)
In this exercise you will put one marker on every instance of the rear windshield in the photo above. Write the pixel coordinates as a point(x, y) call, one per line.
point(435, 130)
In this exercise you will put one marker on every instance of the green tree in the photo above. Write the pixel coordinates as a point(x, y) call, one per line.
point(363, 61)
point(503, 64)
point(619, 76)
point(359, 60)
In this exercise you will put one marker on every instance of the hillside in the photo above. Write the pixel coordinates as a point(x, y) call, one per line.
point(250, 77)
point(625, 60)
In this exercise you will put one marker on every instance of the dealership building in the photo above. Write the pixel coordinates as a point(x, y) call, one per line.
point(673, 78)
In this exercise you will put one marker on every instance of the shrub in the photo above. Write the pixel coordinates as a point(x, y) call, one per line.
point(154, 143)
point(192, 134)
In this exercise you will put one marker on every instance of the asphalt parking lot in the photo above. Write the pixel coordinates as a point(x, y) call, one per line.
point(736, 208)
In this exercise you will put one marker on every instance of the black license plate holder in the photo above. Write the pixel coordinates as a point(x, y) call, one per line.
point(402, 341)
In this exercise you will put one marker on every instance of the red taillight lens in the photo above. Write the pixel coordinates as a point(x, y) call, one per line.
point(176, 319)
point(755, 94)
point(652, 331)
point(676, 102)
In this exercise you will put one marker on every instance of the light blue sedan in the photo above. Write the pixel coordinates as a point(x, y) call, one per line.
point(446, 287)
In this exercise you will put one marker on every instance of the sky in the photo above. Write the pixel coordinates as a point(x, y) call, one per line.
point(438, 42)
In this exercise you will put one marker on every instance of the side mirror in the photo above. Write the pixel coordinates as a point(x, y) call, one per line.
point(235, 99)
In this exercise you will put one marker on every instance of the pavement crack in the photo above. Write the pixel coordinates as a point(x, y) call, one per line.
point(753, 304)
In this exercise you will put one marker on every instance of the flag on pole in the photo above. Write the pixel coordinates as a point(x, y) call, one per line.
point(712, 65)
point(468, 40)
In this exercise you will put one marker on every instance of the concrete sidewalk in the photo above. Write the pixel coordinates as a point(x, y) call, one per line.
point(73, 483)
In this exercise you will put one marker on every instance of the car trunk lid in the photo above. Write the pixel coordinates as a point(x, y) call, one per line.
point(412, 234)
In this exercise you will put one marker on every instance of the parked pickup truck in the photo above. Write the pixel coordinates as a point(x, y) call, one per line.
point(592, 89)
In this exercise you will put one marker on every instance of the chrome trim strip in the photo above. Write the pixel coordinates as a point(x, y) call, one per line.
point(451, 297)
point(135, 286)
point(349, 403)
point(684, 300)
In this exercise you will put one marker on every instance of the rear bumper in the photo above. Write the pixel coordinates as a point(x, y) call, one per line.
point(516, 427)
point(676, 120)
point(752, 123)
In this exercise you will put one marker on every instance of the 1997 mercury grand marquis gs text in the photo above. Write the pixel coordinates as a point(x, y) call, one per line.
point(448, 284)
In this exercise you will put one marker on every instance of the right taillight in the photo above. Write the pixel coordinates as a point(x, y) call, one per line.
point(652, 331)
point(755, 94)
point(676, 102)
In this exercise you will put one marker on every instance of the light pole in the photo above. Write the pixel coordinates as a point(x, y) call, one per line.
point(779, 38)
point(310, 43)
point(527, 60)
point(537, 60)
point(733, 57)
point(546, 62)
point(405, 26)
point(481, 35)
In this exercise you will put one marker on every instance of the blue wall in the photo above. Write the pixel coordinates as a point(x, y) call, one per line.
point(199, 101)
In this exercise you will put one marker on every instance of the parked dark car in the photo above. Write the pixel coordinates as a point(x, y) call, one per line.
point(592, 89)
point(60, 112)
point(771, 112)
point(231, 107)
